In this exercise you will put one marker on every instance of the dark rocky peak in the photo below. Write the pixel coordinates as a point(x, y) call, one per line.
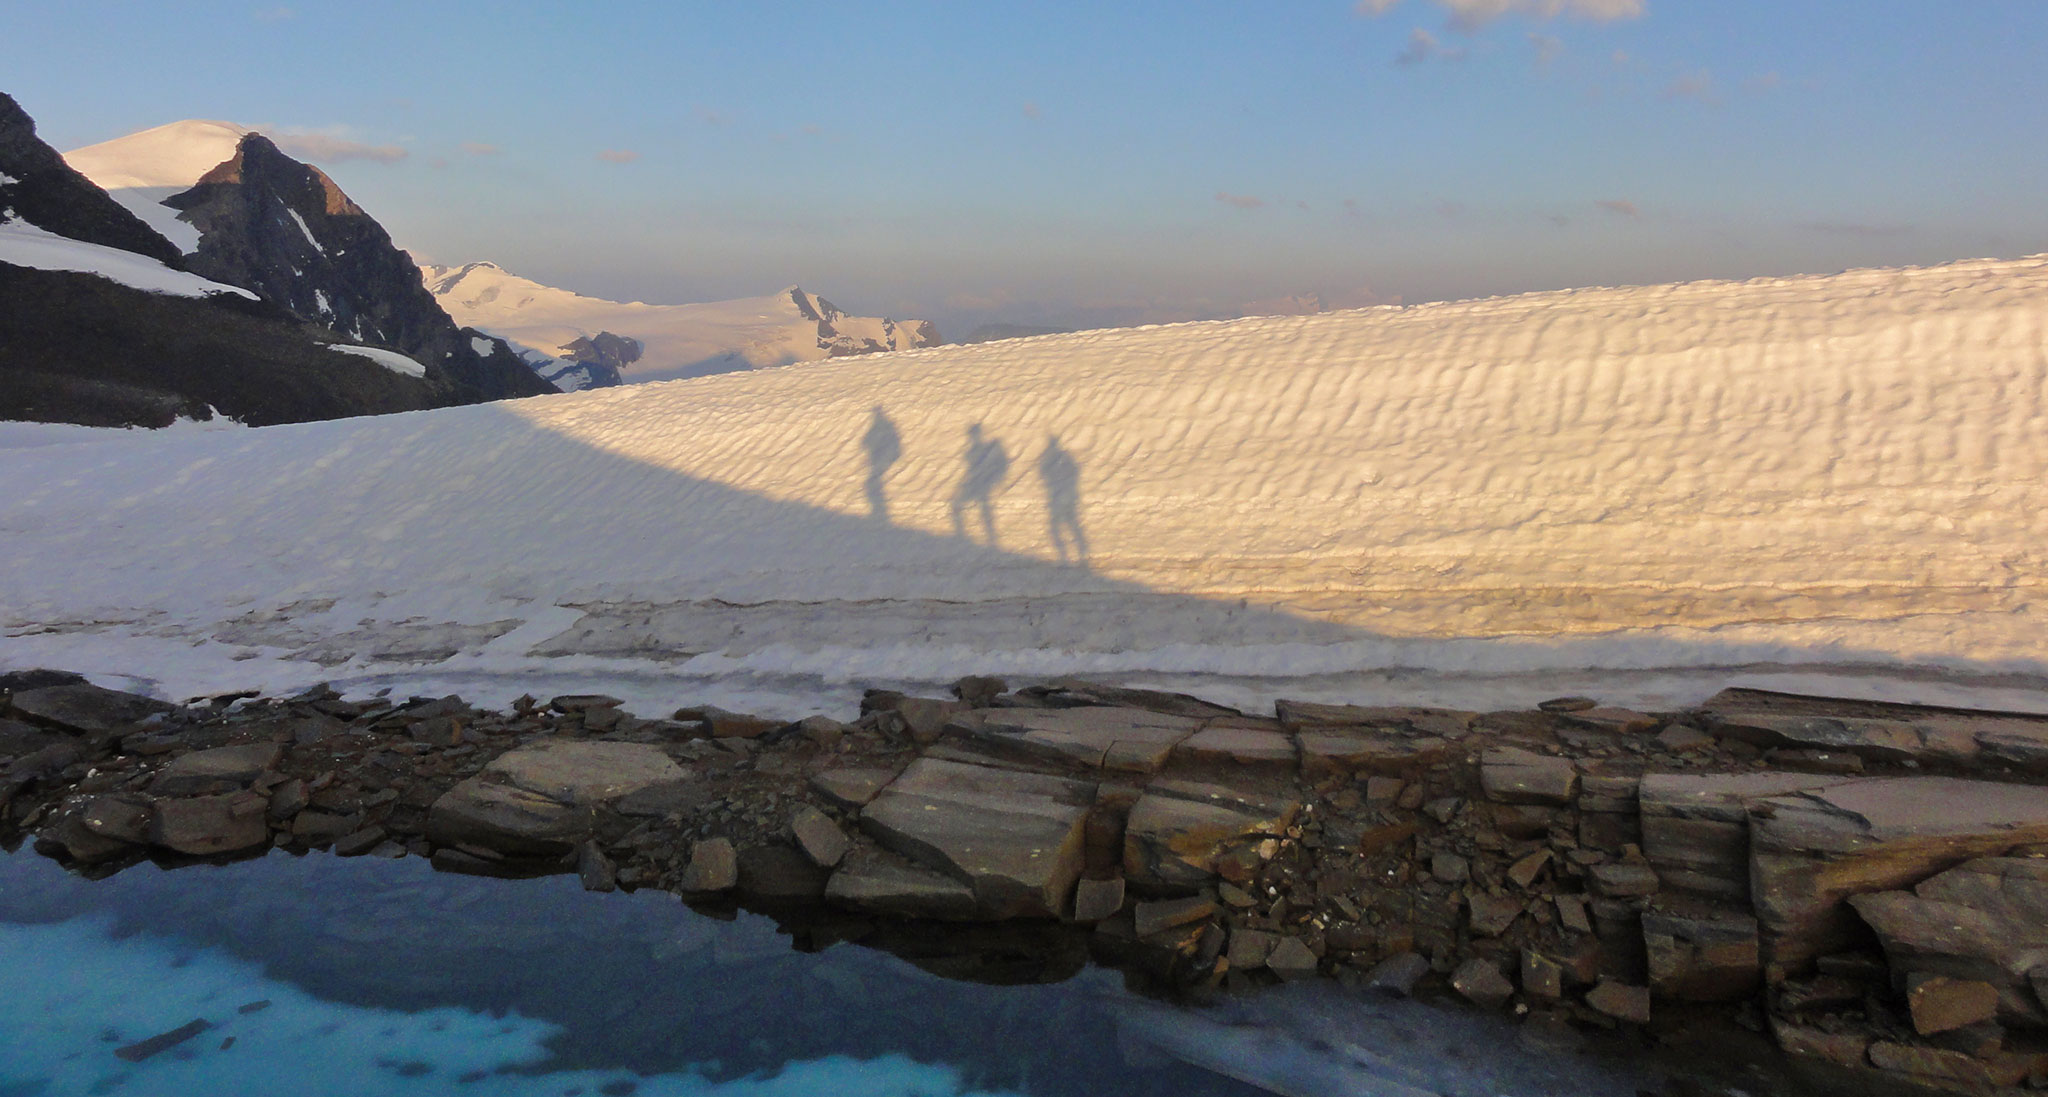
point(283, 229)
point(605, 354)
point(38, 187)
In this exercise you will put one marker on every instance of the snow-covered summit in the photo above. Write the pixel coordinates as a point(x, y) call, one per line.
point(1586, 489)
point(173, 155)
point(676, 340)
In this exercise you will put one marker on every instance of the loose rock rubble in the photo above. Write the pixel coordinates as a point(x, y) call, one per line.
point(1867, 882)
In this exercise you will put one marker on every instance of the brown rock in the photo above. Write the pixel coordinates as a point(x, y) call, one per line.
point(819, 837)
point(1158, 917)
point(1340, 750)
point(1623, 880)
point(1088, 738)
point(1479, 981)
point(884, 884)
point(206, 826)
point(1523, 872)
point(1939, 1003)
point(851, 789)
point(124, 818)
point(1178, 831)
point(1703, 957)
point(1491, 915)
point(1240, 742)
point(1847, 1049)
point(1944, 1065)
point(1095, 900)
point(1016, 838)
point(1621, 1001)
point(1292, 960)
point(220, 769)
point(714, 866)
point(1249, 948)
point(1695, 828)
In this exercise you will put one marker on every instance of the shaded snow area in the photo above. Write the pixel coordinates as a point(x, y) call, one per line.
point(25, 245)
point(17, 435)
point(1643, 493)
point(389, 359)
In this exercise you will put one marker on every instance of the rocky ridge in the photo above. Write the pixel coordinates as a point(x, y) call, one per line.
point(1868, 883)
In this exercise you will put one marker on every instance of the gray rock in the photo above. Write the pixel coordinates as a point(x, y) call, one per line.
point(1397, 975)
point(1985, 920)
point(1095, 900)
point(583, 702)
point(594, 869)
point(819, 837)
point(1480, 982)
point(359, 842)
point(720, 724)
point(1450, 868)
point(85, 709)
point(1089, 738)
point(124, 818)
point(1511, 775)
point(207, 826)
point(1244, 742)
point(1567, 704)
point(1016, 838)
point(851, 789)
point(541, 799)
point(881, 884)
point(1491, 915)
point(1249, 948)
point(1329, 750)
point(977, 691)
point(1695, 828)
point(1623, 881)
point(1071, 693)
point(1542, 976)
point(1618, 721)
point(714, 866)
point(217, 770)
point(1292, 960)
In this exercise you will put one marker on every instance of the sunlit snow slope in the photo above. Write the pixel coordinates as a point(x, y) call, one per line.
point(1844, 469)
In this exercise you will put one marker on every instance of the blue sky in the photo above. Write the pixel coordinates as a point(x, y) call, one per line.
point(1073, 163)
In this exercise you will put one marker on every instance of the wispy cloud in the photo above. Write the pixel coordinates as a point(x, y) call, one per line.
point(1857, 228)
point(273, 15)
point(1032, 112)
point(333, 146)
point(1548, 47)
point(617, 156)
point(479, 148)
point(1241, 201)
point(711, 117)
point(1694, 84)
point(1764, 81)
point(1472, 14)
point(1620, 207)
point(1423, 45)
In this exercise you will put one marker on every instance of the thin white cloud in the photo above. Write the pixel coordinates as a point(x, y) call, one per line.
point(1694, 84)
point(617, 156)
point(274, 15)
point(1241, 201)
point(334, 147)
point(480, 148)
point(1473, 14)
point(1032, 112)
point(1621, 207)
point(1421, 46)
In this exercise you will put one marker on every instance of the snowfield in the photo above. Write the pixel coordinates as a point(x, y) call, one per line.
point(25, 245)
point(1643, 492)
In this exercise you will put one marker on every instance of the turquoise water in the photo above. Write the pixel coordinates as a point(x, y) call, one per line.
point(317, 975)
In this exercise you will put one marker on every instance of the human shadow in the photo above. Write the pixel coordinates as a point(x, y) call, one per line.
point(885, 448)
point(987, 464)
point(1062, 477)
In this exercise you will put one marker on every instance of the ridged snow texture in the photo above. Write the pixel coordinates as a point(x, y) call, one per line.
point(1843, 468)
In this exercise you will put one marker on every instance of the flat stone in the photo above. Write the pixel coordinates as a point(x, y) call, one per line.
point(1812, 851)
point(217, 770)
point(1397, 974)
point(541, 799)
point(1388, 752)
point(17, 739)
point(714, 866)
point(1526, 869)
point(1241, 744)
point(1480, 982)
point(720, 724)
point(1940, 1004)
point(1158, 917)
point(1956, 739)
point(819, 837)
point(209, 826)
point(1511, 775)
point(1441, 722)
point(881, 884)
point(1945, 1065)
point(1292, 960)
point(1567, 704)
point(1069, 693)
point(1450, 868)
point(357, 843)
point(1702, 957)
point(124, 818)
point(1542, 976)
point(1016, 838)
point(1095, 900)
point(1491, 915)
point(85, 709)
point(1177, 831)
point(1571, 914)
point(1620, 721)
point(1620, 1001)
point(1088, 738)
point(583, 702)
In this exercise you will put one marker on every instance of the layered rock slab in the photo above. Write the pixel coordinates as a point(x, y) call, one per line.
point(1812, 850)
point(542, 799)
point(1088, 737)
point(1016, 838)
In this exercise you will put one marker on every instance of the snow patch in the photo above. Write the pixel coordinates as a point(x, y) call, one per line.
point(25, 245)
point(482, 346)
point(389, 359)
point(20, 435)
point(305, 230)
